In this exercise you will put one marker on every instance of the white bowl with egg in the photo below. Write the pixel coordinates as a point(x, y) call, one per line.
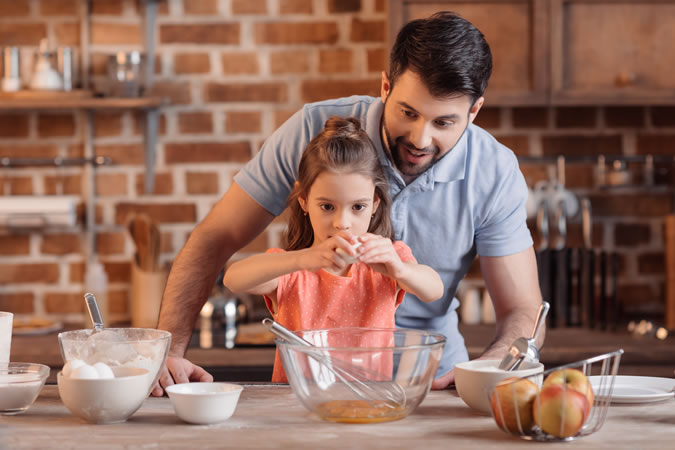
point(90, 394)
point(474, 379)
point(204, 403)
point(20, 384)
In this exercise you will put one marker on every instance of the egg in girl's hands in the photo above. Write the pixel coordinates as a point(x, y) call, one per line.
point(349, 259)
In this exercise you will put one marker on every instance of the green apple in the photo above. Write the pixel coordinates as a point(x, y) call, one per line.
point(560, 411)
point(573, 379)
point(511, 404)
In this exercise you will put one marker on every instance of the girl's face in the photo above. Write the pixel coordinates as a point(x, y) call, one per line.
point(340, 202)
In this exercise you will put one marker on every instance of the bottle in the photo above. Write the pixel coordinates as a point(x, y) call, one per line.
point(96, 282)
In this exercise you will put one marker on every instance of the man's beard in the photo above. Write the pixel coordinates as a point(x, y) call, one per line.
point(399, 147)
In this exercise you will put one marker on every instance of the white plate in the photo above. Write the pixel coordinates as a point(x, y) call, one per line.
point(631, 389)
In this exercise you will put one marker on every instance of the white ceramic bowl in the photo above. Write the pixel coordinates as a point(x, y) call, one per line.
point(20, 384)
point(110, 400)
point(204, 403)
point(475, 378)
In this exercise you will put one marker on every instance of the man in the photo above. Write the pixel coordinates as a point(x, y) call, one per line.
point(456, 192)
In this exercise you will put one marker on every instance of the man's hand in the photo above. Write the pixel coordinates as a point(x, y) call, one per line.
point(179, 370)
point(444, 381)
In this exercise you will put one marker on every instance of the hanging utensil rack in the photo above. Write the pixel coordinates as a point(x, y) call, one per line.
point(55, 162)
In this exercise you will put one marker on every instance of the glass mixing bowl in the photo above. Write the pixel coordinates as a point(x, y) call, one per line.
point(20, 384)
point(351, 374)
point(144, 348)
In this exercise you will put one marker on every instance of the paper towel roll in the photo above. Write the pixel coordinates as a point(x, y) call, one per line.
point(38, 211)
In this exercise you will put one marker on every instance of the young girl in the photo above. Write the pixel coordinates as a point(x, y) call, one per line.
point(339, 214)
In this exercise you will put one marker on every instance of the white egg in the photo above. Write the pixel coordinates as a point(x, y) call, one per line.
point(86, 371)
point(104, 371)
point(72, 365)
point(349, 259)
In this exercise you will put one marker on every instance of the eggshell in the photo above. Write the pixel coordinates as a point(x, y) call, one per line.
point(86, 371)
point(104, 371)
point(72, 365)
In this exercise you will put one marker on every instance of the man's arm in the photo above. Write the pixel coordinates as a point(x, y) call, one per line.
point(513, 284)
point(235, 221)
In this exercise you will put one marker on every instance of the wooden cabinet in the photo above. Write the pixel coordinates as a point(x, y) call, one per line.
point(516, 31)
point(566, 52)
point(613, 51)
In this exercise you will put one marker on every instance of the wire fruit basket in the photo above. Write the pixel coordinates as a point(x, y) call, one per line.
point(563, 404)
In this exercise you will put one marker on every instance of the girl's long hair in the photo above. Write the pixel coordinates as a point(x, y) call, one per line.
point(341, 147)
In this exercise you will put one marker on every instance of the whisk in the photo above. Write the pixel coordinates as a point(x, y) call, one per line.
point(391, 395)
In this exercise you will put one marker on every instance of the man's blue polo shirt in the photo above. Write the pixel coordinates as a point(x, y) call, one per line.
point(470, 202)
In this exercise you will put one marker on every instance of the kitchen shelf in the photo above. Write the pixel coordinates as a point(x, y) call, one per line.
point(87, 103)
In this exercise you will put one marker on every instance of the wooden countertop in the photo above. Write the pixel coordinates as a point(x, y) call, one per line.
point(270, 416)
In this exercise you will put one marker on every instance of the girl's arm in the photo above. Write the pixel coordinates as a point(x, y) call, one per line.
point(418, 279)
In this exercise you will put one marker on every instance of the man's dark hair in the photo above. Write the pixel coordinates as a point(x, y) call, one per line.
point(447, 52)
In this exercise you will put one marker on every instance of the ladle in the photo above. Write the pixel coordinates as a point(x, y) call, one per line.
point(524, 348)
point(94, 312)
point(352, 376)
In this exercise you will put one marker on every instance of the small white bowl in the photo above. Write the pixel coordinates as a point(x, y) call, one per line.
point(474, 379)
point(20, 384)
point(110, 400)
point(204, 403)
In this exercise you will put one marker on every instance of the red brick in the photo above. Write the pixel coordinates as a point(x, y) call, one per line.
point(195, 122)
point(295, 7)
point(107, 7)
point(162, 6)
point(344, 6)
point(246, 92)
point(631, 235)
point(197, 183)
point(243, 122)
point(315, 90)
point(579, 176)
point(58, 7)
point(56, 125)
point(139, 123)
point(191, 63)
point(335, 60)
point(625, 116)
point(110, 243)
point(17, 302)
point(200, 7)
point(163, 184)
point(63, 185)
point(519, 144)
point(582, 145)
point(248, 7)
point(534, 172)
point(122, 154)
point(377, 60)
point(60, 244)
point(663, 116)
point(14, 8)
point(29, 151)
point(118, 272)
point(285, 33)
point(576, 117)
point(380, 5)
point(111, 184)
point(107, 123)
point(13, 125)
point(22, 33)
point(281, 116)
point(657, 144)
point(29, 273)
point(294, 61)
point(82, 212)
point(14, 244)
point(488, 118)
point(166, 243)
point(239, 63)
point(201, 152)
point(529, 117)
point(118, 301)
point(631, 205)
point(651, 263)
point(212, 33)
point(177, 92)
point(368, 31)
point(106, 33)
point(17, 186)
point(160, 213)
point(76, 272)
point(67, 34)
point(63, 303)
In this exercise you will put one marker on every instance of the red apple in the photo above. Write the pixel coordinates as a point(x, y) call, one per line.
point(560, 411)
point(511, 404)
point(573, 379)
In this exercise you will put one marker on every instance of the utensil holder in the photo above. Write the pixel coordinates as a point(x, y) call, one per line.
point(147, 289)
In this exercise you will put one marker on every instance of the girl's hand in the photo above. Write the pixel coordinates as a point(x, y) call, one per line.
point(324, 256)
point(379, 253)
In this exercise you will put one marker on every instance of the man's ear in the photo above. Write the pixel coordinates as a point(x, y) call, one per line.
point(475, 108)
point(385, 87)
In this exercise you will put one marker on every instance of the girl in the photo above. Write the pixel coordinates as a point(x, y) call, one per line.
point(339, 214)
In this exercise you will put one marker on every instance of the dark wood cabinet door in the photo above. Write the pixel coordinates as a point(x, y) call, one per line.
point(517, 32)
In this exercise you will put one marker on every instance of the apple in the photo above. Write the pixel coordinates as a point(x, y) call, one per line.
point(560, 411)
point(573, 379)
point(511, 403)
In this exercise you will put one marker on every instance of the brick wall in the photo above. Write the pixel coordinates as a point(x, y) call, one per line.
point(235, 70)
